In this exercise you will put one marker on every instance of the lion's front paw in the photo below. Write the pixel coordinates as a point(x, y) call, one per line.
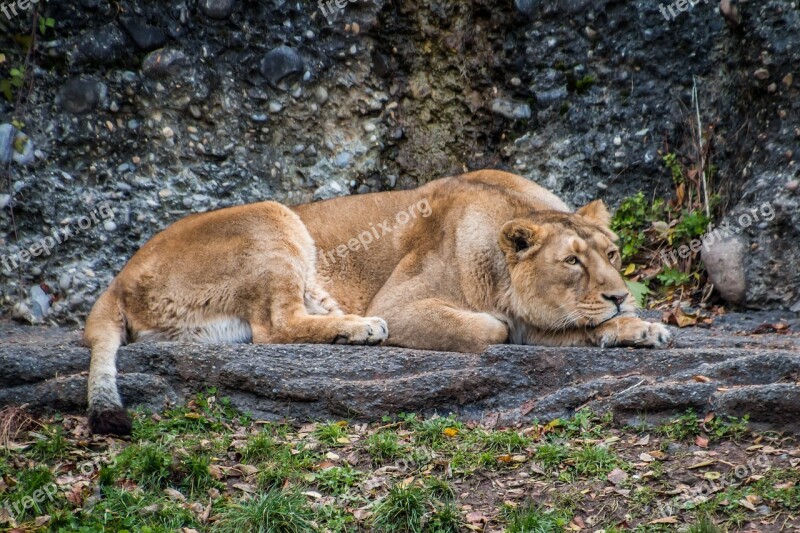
point(633, 332)
point(362, 330)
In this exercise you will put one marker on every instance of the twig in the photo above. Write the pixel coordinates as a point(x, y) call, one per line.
point(632, 387)
point(700, 151)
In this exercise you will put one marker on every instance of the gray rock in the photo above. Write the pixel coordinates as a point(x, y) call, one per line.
point(511, 110)
point(280, 63)
point(526, 7)
point(164, 62)
point(724, 261)
point(79, 96)
point(217, 9)
point(146, 37)
point(45, 367)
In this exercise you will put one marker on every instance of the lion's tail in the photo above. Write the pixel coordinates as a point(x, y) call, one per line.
point(105, 332)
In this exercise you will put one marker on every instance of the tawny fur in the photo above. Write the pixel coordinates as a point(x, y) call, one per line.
point(492, 258)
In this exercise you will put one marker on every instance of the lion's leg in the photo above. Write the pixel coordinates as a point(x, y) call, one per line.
point(284, 318)
point(629, 331)
point(434, 324)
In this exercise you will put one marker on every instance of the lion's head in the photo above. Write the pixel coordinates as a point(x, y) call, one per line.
point(564, 269)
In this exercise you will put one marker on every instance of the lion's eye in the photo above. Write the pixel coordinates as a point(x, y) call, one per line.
point(571, 260)
point(612, 254)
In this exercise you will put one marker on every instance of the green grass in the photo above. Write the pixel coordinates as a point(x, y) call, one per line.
point(332, 433)
point(594, 461)
point(402, 510)
point(259, 448)
point(534, 519)
point(383, 446)
point(273, 512)
point(197, 478)
point(51, 446)
point(337, 479)
point(148, 465)
point(551, 455)
point(437, 431)
point(503, 441)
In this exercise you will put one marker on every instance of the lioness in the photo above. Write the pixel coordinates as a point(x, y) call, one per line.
point(483, 258)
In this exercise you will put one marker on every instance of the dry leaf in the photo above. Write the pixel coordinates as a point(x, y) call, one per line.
point(665, 520)
point(701, 441)
point(174, 495)
point(617, 476)
point(701, 379)
point(646, 457)
point(450, 432)
point(245, 487)
point(744, 502)
point(644, 441)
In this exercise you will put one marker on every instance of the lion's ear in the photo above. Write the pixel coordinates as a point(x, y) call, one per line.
point(520, 236)
point(596, 213)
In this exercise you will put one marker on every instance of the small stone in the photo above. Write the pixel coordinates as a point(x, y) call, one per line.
point(109, 225)
point(280, 63)
point(772, 87)
point(259, 117)
point(64, 281)
point(617, 141)
point(793, 185)
point(761, 74)
point(724, 262)
point(217, 9)
point(275, 107)
point(321, 95)
point(79, 96)
point(591, 33)
point(788, 79)
point(167, 132)
point(369, 127)
point(146, 37)
point(511, 110)
point(516, 82)
point(526, 7)
point(163, 62)
point(355, 28)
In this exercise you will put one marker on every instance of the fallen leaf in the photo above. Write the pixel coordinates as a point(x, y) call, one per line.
point(450, 432)
point(711, 476)
point(701, 379)
point(174, 495)
point(646, 457)
point(644, 441)
point(744, 502)
point(312, 494)
point(476, 518)
point(701, 464)
point(665, 520)
point(245, 487)
point(677, 317)
point(701, 441)
point(617, 476)
point(505, 458)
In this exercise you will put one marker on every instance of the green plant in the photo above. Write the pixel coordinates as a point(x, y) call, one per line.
point(383, 446)
point(401, 510)
point(504, 441)
point(532, 518)
point(259, 448)
point(197, 474)
point(45, 23)
point(445, 519)
point(673, 277)
point(16, 77)
point(594, 460)
point(52, 445)
point(337, 479)
point(149, 465)
point(332, 433)
point(273, 512)
point(551, 456)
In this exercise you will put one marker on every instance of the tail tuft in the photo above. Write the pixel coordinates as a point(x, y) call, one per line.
point(110, 421)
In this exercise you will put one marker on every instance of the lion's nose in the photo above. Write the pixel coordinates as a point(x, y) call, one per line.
point(618, 299)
